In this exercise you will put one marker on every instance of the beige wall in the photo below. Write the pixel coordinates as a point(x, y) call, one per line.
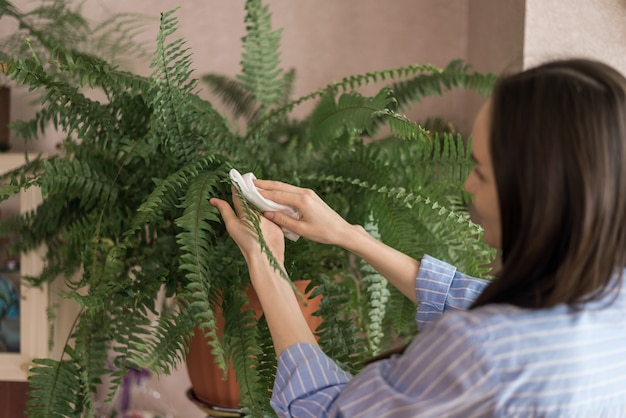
point(558, 28)
point(496, 41)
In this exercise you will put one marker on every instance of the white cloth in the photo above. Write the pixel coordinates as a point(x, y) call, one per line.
point(245, 183)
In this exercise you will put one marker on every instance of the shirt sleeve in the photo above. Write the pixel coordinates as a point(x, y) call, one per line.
point(442, 373)
point(307, 382)
point(440, 287)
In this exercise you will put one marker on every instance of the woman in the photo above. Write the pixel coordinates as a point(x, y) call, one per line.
point(547, 337)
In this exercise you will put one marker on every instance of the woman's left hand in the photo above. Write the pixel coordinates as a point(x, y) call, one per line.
point(280, 304)
point(241, 230)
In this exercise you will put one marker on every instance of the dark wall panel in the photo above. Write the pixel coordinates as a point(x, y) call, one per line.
point(13, 397)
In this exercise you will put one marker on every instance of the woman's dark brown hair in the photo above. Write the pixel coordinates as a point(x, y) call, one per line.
point(558, 149)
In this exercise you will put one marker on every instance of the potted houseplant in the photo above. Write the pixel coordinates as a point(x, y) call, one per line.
point(125, 215)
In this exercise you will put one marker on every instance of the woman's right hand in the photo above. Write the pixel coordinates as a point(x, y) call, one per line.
point(318, 222)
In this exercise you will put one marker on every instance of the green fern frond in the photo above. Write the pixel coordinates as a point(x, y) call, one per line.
point(452, 157)
point(92, 349)
point(172, 60)
point(455, 233)
point(66, 107)
point(195, 223)
point(267, 362)
point(400, 315)
point(475, 81)
point(348, 84)
point(195, 246)
point(241, 339)
point(177, 112)
point(59, 388)
point(130, 318)
point(53, 389)
point(166, 343)
point(401, 126)
point(352, 113)
point(29, 130)
point(456, 75)
point(172, 83)
point(165, 195)
point(378, 296)
point(337, 335)
point(402, 228)
point(361, 80)
point(45, 219)
point(443, 161)
point(289, 78)
point(260, 72)
point(233, 95)
point(77, 179)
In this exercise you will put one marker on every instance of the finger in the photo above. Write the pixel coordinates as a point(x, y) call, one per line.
point(284, 198)
point(270, 185)
point(283, 220)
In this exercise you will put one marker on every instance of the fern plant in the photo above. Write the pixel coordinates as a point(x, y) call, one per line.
point(125, 213)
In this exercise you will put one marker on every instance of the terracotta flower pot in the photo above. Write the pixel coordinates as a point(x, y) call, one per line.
point(5, 117)
point(207, 379)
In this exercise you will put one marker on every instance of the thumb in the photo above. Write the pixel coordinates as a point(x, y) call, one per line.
point(228, 214)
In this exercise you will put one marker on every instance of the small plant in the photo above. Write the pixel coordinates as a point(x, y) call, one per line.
point(125, 213)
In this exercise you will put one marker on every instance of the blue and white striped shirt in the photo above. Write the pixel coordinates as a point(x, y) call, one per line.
point(493, 361)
